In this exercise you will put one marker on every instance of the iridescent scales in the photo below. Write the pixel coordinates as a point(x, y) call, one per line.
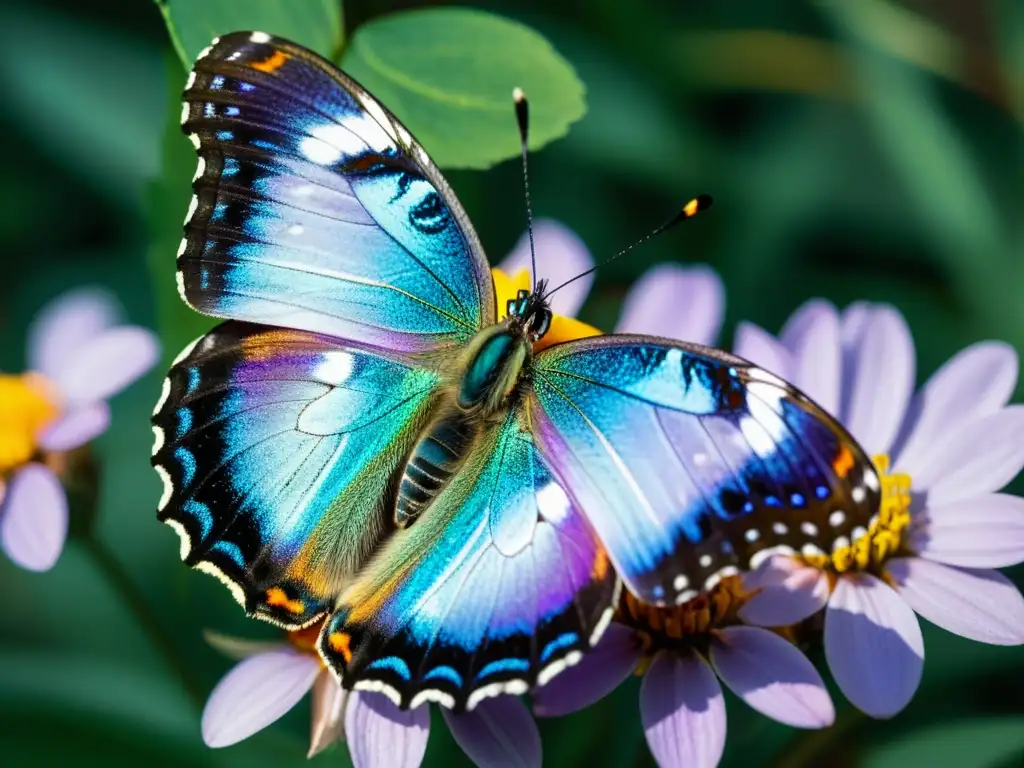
point(457, 496)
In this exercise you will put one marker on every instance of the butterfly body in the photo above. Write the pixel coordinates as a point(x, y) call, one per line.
point(368, 443)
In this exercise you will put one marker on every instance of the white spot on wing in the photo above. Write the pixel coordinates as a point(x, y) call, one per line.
point(236, 590)
point(158, 440)
point(191, 80)
point(759, 557)
point(165, 392)
point(553, 504)
point(442, 698)
point(809, 528)
point(165, 496)
point(179, 278)
point(182, 246)
point(837, 518)
point(259, 37)
point(184, 112)
point(192, 205)
point(296, 230)
point(194, 139)
point(187, 350)
point(184, 540)
point(335, 367)
point(858, 494)
point(200, 169)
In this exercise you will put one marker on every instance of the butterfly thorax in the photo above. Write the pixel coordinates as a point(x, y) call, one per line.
point(490, 372)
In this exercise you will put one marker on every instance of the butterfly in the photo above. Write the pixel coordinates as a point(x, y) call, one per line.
point(371, 442)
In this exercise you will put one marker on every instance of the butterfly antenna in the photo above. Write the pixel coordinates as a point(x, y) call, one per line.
point(691, 209)
point(523, 119)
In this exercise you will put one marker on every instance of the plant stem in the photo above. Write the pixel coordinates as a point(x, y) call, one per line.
point(123, 584)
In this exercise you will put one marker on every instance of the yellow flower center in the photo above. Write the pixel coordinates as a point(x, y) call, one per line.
point(679, 627)
point(562, 328)
point(27, 404)
point(883, 538)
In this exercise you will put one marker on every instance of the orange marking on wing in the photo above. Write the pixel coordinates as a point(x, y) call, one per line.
point(341, 642)
point(600, 567)
point(277, 598)
point(274, 62)
point(844, 462)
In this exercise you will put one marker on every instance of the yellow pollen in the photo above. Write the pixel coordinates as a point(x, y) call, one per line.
point(691, 624)
point(28, 403)
point(562, 328)
point(884, 536)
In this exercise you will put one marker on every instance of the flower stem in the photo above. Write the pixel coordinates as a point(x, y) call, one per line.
point(123, 584)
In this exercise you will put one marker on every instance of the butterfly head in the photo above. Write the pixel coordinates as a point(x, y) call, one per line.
point(531, 312)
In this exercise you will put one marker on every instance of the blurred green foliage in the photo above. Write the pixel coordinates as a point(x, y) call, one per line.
point(856, 150)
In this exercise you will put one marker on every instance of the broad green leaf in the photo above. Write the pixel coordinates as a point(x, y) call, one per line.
point(169, 197)
point(316, 24)
point(973, 743)
point(448, 74)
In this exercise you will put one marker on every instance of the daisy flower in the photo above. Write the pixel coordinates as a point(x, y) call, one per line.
point(272, 678)
point(78, 356)
point(942, 527)
point(683, 653)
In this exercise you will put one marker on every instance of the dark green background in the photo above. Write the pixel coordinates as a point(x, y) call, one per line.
point(875, 154)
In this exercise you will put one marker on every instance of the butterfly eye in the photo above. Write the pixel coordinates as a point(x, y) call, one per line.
point(541, 324)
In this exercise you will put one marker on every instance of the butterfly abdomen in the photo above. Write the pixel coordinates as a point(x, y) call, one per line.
point(431, 464)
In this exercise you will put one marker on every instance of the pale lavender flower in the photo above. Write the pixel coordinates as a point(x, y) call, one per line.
point(681, 702)
point(272, 678)
point(953, 445)
point(78, 357)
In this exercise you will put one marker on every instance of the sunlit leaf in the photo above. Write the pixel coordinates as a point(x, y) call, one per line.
point(316, 24)
point(449, 73)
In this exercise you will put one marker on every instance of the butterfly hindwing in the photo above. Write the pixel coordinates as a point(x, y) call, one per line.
point(276, 448)
point(689, 462)
point(315, 209)
point(495, 588)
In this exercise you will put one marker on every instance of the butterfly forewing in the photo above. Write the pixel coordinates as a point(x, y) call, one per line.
point(315, 209)
point(690, 462)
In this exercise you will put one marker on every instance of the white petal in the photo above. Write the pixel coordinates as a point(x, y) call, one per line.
point(812, 338)
point(66, 324)
point(380, 735)
point(675, 302)
point(561, 256)
point(683, 712)
point(34, 518)
point(873, 645)
point(107, 364)
point(788, 592)
point(883, 380)
point(255, 693)
point(981, 605)
point(77, 427)
point(761, 348)
point(327, 720)
point(981, 456)
point(499, 731)
point(980, 532)
point(772, 676)
point(976, 382)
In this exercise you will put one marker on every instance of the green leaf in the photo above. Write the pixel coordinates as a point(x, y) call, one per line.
point(449, 73)
point(974, 743)
point(316, 24)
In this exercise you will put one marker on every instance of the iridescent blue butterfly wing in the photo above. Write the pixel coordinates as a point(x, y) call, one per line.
point(276, 447)
point(691, 463)
point(496, 587)
point(315, 209)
